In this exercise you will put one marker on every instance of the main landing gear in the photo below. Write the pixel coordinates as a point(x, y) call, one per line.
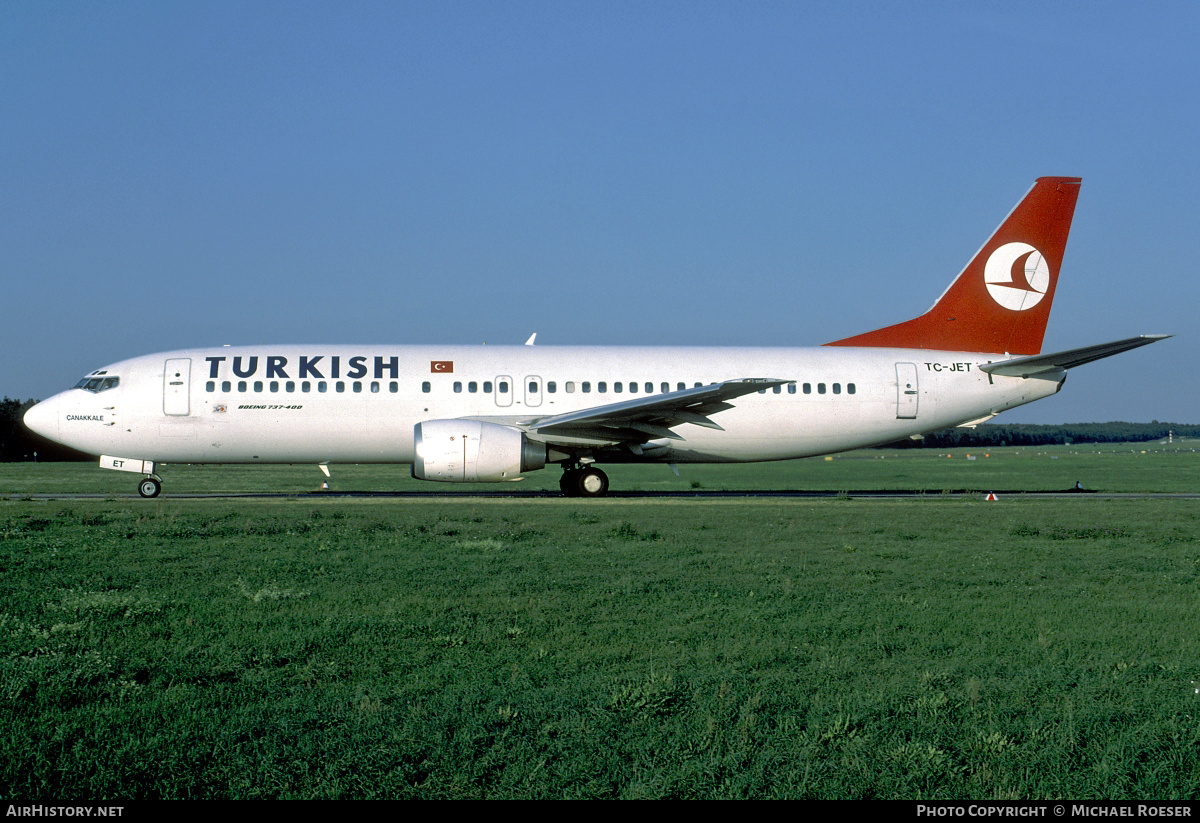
point(150, 486)
point(583, 481)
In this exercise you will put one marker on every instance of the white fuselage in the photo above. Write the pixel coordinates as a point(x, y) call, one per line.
point(359, 404)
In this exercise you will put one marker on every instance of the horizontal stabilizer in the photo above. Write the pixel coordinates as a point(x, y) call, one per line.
point(1058, 361)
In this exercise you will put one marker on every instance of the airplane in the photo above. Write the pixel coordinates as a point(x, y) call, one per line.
point(465, 414)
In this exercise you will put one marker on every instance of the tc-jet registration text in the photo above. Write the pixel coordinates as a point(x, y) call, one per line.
point(947, 366)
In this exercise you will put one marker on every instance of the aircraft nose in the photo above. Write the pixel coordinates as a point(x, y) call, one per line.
point(43, 418)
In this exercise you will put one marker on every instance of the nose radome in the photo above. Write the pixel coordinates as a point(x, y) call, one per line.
point(43, 418)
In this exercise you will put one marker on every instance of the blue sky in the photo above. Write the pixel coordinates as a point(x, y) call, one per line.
point(741, 173)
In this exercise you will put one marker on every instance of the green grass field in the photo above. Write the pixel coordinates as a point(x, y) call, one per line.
point(317, 647)
point(1126, 467)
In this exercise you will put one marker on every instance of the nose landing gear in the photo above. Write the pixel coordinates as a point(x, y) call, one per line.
point(150, 486)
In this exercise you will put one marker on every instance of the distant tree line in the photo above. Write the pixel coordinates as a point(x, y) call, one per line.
point(1029, 434)
point(18, 443)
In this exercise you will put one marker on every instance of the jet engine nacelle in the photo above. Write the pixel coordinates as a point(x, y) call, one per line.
point(470, 451)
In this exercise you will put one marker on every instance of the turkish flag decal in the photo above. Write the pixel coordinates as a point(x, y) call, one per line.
point(441, 366)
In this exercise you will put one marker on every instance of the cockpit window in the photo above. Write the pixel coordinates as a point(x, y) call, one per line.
point(97, 384)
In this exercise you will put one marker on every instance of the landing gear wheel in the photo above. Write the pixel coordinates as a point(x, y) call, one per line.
point(149, 487)
point(583, 482)
point(568, 484)
point(591, 482)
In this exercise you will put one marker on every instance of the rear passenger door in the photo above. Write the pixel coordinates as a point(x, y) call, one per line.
point(907, 391)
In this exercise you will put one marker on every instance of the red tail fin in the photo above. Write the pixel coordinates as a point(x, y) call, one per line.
point(1001, 301)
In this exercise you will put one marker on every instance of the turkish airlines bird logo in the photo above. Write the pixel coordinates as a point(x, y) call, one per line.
point(1017, 276)
point(441, 366)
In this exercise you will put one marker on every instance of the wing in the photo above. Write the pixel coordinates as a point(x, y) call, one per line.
point(647, 418)
point(1058, 361)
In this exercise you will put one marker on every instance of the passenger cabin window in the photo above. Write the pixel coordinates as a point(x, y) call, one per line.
point(425, 387)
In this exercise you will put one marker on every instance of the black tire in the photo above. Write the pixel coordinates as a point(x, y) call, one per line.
point(149, 487)
point(568, 484)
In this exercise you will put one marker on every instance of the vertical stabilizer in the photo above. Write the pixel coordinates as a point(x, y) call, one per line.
point(1001, 301)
